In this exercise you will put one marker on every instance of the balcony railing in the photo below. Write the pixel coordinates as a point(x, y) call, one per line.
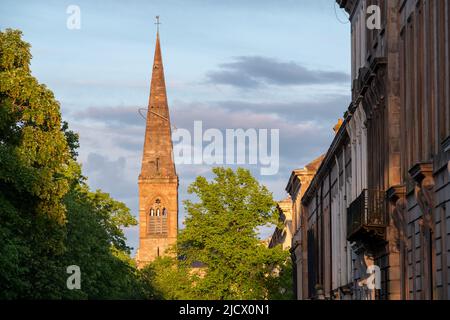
point(366, 217)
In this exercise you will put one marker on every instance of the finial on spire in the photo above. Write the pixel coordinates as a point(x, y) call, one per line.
point(157, 24)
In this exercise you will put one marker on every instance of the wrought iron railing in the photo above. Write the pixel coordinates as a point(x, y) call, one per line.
point(367, 213)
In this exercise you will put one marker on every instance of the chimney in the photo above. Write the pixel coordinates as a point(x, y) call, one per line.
point(338, 126)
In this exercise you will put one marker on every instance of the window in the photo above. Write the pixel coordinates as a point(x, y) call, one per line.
point(157, 220)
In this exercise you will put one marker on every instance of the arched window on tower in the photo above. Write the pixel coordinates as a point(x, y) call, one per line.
point(157, 220)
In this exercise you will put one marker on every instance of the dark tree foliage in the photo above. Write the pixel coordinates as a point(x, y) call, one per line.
point(49, 219)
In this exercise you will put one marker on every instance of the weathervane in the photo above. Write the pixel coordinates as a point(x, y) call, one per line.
point(157, 23)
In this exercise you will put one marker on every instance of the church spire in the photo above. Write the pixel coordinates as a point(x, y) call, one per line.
point(157, 160)
point(158, 181)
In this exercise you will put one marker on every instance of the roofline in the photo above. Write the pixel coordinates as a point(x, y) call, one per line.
point(338, 140)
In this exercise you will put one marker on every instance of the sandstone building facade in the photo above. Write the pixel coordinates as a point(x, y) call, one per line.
point(158, 180)
point(283, 235)
point(298, 183)
point(379, 205)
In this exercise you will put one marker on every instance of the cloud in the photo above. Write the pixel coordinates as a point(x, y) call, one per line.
point(110, 175)
point(295, 120)
point(250, 72)
point(305, 130)
point(128, 115)
point(324, 108)
point(305, 133)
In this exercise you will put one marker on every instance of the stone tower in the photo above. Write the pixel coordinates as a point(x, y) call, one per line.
point(158, 181)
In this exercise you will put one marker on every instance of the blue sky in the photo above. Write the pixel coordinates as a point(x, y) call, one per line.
point(232, 64)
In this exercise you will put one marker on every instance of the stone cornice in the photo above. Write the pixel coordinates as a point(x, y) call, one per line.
point(157, 179)
point(420, 171)
point(297, 178)
point(294, 184)
point(365, 77)
point(348, 5)
point(395, 193)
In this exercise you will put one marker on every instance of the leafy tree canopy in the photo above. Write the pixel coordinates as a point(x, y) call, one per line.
point(49, 219)
point(220, 239)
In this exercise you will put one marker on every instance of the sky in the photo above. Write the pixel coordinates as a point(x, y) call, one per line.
point(263, 64)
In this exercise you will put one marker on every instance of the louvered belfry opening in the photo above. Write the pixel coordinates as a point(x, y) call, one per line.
point(157, 224)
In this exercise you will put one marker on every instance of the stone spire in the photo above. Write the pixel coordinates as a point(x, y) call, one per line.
point(158, 181)
point(157, 159)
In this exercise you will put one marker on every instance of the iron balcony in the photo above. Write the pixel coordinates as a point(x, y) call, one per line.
point(367, 219)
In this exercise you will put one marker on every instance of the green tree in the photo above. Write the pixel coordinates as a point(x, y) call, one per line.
point(221, 232)
point(169, 279)
point(34, 166)
point(280, 285)
point(96, 243)
point(49, 219)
